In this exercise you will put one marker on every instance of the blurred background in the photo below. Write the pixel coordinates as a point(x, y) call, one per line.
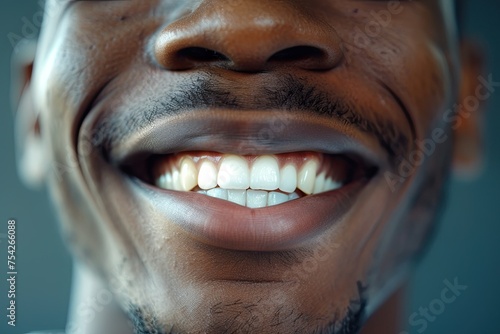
point(465, 248)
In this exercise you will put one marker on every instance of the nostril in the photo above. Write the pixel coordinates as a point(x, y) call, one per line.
point(298, 53)
point(197, 54)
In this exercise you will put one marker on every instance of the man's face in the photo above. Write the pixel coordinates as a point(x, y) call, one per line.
point(307, 114)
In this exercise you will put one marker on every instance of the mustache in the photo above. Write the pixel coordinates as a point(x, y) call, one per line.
point(287, 93)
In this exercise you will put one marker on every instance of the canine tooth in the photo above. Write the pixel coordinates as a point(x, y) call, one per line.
point(188, 174)
point(207, 177)
point(233, 173)
point(319, 183)
point(288, 179)
point(176, 180)
point(307, 176)
point(203, 192)
point(237, 196)
point(265, 173)
point(217, 193)
point(275, 198)
point(256, 198)
point(293, 196)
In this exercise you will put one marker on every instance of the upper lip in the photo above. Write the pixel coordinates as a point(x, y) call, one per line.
point(249, 132)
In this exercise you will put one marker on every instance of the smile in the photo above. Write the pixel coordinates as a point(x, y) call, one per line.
point(254, 181)
point(214, 178)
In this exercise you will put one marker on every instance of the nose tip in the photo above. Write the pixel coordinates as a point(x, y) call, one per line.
point(248, 39)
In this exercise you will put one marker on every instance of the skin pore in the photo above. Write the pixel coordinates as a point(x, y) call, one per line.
point(115, 83)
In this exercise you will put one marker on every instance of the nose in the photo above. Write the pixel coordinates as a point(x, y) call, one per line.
point(248, 36)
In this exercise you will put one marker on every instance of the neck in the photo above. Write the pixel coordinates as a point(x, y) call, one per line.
point(93, 308)
point(387, 319)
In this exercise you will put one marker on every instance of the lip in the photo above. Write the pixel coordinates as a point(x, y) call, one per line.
point(227, 225)
point(223, 224)
point(247, 132)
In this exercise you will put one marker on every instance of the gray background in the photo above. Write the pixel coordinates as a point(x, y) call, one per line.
point(466, 246)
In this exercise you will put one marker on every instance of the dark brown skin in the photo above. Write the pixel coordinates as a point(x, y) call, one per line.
point(100, 61)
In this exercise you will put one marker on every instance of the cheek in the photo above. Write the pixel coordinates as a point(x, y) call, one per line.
point(404, 52)
point(425, 83)
point(66, 81)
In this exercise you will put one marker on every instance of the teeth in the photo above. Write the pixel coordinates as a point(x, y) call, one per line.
point(256, 199)
point(307, 177)
point(188, 175)
point(217, 193)
point(276, 198)
point(233, 173)
point(288, 181)
point(261, 184)
point(237, 196)
point(176, 180)
point(207, 177)
point(169, 182)
point(319, 183)
point(332, 185)
point(265, 173)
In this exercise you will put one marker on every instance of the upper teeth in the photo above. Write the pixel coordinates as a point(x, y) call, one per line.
point(260, 184)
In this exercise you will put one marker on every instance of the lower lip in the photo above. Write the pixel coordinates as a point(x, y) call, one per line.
point(223, 224)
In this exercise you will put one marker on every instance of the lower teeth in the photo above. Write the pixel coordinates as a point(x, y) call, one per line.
point(251, 198)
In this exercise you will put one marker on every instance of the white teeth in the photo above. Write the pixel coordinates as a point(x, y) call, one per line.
point(233, 173)
point(207, 177)
point(176, 180)
point(307, 177)
point(237, 196)
point(319, 183)
point(288, 179)
point(161, 181)
point(332, 185)
point(256, 199)
point(188, 175)
point(254, 187)
point(169, 182)
point(265, 173)
point(275, 198)
point(217, 193)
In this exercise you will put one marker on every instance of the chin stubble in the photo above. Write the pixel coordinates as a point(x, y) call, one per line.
point(146, 322)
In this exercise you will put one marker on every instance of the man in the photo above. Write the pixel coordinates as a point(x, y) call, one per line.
point(246, 166)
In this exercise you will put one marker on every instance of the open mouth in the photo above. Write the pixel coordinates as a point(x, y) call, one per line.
point(214, 177)
point(255, 181)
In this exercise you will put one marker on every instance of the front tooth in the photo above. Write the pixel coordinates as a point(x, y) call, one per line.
point(188, 174)
point(307, 177)
point(288, 179)
point(256, 199)
point(207, 177)
point(233, 173)
point(217, 193)
point(319, 184)
point(276, 198)
point(265, 173)
point(293, 196)
point(237, 196)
